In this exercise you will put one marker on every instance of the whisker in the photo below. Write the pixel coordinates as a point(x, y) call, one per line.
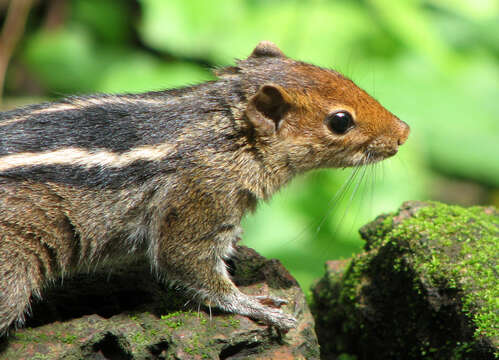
point(356, 188)
point(352, 185)
point(406, 169)
point(338, 197)
point(342, 193)
point(383, 172)
point(373, 185)
point(365, 188)
point(332, 204)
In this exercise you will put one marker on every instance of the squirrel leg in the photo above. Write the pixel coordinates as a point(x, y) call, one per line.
point(20, 277)
point(214, 286)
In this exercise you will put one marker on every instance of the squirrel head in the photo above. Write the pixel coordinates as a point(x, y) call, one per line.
point(318, 116)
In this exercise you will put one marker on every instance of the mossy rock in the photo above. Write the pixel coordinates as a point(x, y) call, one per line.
point(128, 314)
point(426, 287)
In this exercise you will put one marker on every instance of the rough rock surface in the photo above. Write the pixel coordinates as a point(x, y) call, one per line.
point(129, 315)
point(426, 287)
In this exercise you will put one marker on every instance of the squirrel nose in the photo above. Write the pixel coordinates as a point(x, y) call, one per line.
point(404, 132)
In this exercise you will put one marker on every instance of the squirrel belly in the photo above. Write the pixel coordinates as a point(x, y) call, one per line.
point(168, 175)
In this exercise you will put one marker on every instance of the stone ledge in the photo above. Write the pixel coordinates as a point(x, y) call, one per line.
point(127, 314)
point(426, 287)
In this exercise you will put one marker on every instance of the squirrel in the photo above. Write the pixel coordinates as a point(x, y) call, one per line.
point(94, 180)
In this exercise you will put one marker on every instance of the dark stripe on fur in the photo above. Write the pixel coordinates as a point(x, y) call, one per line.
point(118, 124)
point(95, 177)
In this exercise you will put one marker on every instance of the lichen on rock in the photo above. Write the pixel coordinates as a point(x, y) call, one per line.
point(426, 287)
point(128, 314)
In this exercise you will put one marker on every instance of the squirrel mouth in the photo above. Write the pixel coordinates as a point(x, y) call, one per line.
point(371, 156)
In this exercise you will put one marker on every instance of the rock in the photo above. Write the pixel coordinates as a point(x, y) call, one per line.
point(129, 315)
point(426, 287)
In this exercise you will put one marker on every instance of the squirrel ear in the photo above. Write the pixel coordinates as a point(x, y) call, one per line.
point(267, 108)
point(267, 48)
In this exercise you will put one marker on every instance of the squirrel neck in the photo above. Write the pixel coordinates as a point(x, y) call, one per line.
point(236, 153)
point(217, 142)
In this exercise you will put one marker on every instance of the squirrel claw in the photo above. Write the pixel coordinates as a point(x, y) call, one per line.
point(283, 322)
point(276, 317)
point(271, 301)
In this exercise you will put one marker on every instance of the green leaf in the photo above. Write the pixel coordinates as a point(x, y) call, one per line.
point(139, 72)
point(63, 60)
point(109, 20)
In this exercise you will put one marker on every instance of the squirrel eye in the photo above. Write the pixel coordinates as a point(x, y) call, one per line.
point(339, 122)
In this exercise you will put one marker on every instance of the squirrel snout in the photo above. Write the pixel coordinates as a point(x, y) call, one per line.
point(387, 145)
point(404, 131)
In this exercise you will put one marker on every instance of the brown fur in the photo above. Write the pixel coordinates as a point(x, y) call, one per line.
point(173, 181)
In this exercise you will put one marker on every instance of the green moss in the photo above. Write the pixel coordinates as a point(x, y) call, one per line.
point(176, 319)
point(353, 279)
point(196, 347)
point(140, 338)
point(421, 267)
point(40, 357)
point(68, 339)
point(173, 324)
point(458, 248)
point(231, 322)
point(178, 313)
point(22, 337)
point(28, 337)
point(346, 357)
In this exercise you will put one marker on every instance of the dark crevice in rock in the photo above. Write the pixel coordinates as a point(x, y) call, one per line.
point(3, 344)
point(159, 349)
point(239, 350)
point(109, 348)
point(97, 293)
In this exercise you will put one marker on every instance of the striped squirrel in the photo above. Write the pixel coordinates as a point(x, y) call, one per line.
point(94, 180)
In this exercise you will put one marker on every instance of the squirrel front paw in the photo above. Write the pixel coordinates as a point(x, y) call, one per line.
point(256, 308)
point(278, 318)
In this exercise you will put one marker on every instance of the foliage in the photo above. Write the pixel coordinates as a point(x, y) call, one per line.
point(434, 64)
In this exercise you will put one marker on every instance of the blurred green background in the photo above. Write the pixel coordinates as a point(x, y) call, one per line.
point(435, 64)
